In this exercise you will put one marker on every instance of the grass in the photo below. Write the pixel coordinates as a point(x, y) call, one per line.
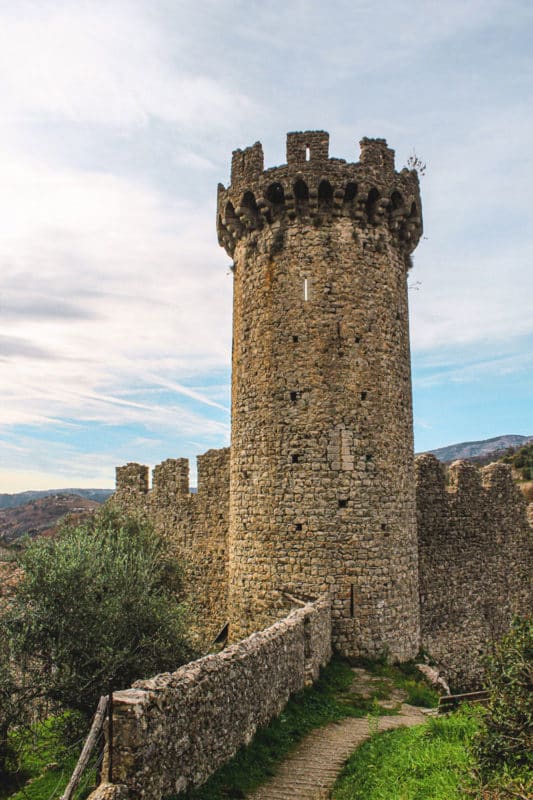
point(427, 762)
point(434, 761)
point(329, 700)
point(44, 758)
point(405, 677)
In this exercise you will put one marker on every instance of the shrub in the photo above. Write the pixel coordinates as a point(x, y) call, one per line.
point(507, 737)
point(100, 601)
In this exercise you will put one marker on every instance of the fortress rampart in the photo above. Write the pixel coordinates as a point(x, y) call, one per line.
point(318, 496)
point(195, 523)
point(474, 547)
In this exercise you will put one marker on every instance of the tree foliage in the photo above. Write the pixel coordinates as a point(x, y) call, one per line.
point(507, 737)
point(521, 459)
point(101, 601)
point(8, 703)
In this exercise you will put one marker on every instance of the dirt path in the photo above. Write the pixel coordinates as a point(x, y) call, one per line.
point(311, 770)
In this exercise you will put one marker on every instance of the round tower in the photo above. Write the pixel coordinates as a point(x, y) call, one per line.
point(322, 490)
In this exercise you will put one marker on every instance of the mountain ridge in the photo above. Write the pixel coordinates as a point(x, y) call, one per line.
point(21, 498)
point(482, 447)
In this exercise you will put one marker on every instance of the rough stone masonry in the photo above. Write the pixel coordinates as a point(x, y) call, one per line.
point(317, 495)
point(322, 496)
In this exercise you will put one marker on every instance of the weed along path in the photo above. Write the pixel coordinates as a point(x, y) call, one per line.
point(311, 770)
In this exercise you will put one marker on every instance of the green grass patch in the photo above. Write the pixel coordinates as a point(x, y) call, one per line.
point(43, 759)
point(428, 762)
point(405, 677)
point(329, 700)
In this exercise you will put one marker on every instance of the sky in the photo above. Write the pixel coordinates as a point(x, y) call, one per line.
point(118, 120)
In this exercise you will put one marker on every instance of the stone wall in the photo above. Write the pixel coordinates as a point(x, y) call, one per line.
point(173, 731)
point(318, 495)
point(196, 524)
point(474, 551)
point(474, 562)
point(322, 491)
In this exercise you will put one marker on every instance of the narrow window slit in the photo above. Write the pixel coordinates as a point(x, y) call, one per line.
point(298, 526)
point(295, 458)
point(294, 397)
point(364, 395)
point(295, 339)
point(306, 290)
point(343, 503)
point(307, 153)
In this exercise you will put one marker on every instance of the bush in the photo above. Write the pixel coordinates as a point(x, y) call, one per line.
point(507, 737)
point(8, 704)
point(101, 601)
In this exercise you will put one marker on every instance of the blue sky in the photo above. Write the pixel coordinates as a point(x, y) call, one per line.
point(118, 121)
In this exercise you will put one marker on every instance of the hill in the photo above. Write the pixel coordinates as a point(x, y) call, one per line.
point(21, 498)
point(40, 516)
point(480, 449)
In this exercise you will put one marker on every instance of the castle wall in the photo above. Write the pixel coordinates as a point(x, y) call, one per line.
point(474, 562)
point(318, 496)
point(196, 525)
point(322, 493)
point(173, 731)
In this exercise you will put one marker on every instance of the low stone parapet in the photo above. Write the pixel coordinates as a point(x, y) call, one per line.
point(173, 731)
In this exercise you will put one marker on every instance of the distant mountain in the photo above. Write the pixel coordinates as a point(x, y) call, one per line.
point(20, 498)
point(40, 516)
point(483, 448)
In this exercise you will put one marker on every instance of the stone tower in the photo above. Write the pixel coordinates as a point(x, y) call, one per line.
point(322, 487)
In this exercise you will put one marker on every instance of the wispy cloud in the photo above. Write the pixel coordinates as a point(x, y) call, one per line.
point(15, 347)
point(104, 63)
point(435, 372)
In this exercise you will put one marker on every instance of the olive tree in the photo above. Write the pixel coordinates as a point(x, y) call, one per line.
point(102, 600)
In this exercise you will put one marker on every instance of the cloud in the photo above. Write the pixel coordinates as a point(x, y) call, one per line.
point(14, 347)
point(105, 63)
point(116, 284)
point(463, 366)
point(22, 301)
point(474, 267)
point(344, 37)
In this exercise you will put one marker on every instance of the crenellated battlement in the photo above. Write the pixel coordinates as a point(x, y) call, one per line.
point(213, 472)
point(132, 480)
point(170, 480)
point(314, 187)
point(196, 523)
point(464, 482)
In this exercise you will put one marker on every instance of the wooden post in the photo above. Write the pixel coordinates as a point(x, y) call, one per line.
point(110, 734)
point(98, 722)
